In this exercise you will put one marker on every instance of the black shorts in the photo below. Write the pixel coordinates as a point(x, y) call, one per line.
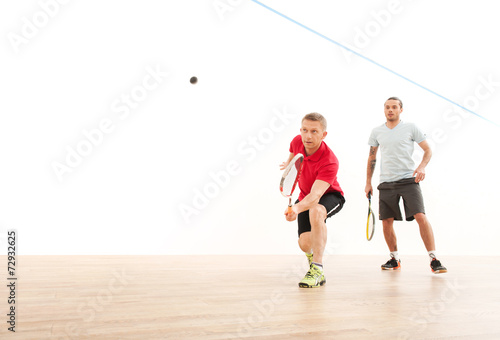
point(332, 201)
point(391, 192)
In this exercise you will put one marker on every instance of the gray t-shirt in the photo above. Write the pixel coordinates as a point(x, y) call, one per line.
point(396, 149)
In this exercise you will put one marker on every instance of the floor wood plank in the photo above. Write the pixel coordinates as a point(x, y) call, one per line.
point(251, 297)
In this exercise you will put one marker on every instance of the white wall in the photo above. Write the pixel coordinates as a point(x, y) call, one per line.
point(71, 70)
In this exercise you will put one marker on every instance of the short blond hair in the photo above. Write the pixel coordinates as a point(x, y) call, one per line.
point(316, 117)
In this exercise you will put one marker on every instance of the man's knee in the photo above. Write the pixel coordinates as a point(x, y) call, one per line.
point(388, 223)
point(317, 212)
point(420, 217)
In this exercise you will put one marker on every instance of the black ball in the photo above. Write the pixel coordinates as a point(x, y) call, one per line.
point(193, 80)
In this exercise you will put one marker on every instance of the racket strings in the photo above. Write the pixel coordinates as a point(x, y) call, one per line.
point(371, 219)
point(289, 181)
point(291, 175)
point(370, 226)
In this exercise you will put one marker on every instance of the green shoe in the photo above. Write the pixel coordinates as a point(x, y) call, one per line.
point(314, 278)
point(310, 259)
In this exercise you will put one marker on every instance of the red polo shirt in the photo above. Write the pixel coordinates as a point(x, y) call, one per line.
point(323, 165)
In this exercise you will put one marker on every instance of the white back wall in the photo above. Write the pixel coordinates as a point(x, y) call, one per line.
point(108, 149)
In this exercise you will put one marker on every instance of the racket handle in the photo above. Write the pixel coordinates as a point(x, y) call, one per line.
point(289, 209)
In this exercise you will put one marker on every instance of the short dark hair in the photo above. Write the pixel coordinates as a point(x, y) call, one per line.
point(316, 117)
point(396, 98)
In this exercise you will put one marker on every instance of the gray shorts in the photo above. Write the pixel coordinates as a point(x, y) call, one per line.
point(391, 192)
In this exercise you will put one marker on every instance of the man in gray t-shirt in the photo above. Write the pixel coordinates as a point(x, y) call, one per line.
point(400, 178)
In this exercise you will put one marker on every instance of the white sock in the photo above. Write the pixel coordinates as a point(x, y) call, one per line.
point(432, 255)
point(395, 255)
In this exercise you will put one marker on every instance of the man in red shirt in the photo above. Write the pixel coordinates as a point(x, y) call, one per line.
point(320, 194)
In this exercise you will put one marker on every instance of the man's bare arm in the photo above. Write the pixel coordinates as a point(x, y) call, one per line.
point(419, 172)
point(370, 169)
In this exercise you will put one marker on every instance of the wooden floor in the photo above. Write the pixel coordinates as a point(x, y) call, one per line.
point(251, 297)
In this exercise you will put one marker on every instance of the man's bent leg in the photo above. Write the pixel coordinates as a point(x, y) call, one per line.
point(317, 216)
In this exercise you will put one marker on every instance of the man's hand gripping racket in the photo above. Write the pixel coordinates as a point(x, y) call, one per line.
point(290, 178)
